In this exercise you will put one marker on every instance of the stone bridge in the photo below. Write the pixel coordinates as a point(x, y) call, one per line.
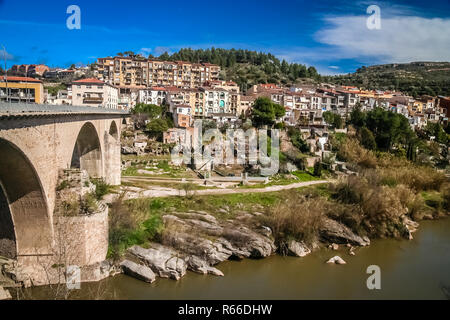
point(36, 142)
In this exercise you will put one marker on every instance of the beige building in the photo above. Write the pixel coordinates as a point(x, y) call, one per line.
point(94, 93)
point(142, 72)
point(21, 89)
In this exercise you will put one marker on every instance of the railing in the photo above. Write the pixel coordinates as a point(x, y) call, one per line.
point(19, 108)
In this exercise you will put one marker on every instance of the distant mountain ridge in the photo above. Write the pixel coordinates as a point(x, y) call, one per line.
point(415, 78)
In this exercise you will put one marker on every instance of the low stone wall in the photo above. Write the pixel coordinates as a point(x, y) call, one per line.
point(84, 239)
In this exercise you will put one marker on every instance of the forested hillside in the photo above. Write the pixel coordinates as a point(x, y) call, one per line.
point(415, 78)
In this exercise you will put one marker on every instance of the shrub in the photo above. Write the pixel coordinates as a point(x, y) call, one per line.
point(101, 188)
point(132, 223)
point(374, 209)
point(188, 188)
point(88, 204)
point(318, 169)
point(352, 151)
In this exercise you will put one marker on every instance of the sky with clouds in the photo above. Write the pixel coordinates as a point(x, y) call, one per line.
point(330, 35)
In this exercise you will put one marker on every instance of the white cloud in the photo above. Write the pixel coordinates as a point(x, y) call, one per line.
point(400, 39)
point(333, 67)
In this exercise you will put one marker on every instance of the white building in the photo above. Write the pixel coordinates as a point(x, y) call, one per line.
point(217, 101)
point(94, 93)
point(154, 95)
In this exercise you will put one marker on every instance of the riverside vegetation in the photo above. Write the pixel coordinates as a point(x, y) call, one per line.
point(392, 189)
point(381, 201)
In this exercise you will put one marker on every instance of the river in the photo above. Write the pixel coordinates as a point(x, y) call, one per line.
point(414, 269)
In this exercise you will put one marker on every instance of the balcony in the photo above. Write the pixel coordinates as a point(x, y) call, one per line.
point(93, 100)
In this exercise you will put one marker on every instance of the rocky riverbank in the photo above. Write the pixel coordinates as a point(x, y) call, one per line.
point(199, 242)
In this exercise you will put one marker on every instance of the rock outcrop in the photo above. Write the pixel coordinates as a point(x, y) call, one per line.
point(333, 231)
point(297, 249)
point(199, 265)
point(138, 271)
point(215, 242)
point(163, 261)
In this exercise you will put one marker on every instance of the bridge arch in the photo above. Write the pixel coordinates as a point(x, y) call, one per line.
point(25, 225)
point(113, 130)
point(87, 153)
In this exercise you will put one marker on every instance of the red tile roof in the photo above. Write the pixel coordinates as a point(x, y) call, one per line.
point(21, 79)
point(89, 80)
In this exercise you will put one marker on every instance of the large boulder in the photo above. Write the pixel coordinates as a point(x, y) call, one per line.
point(336, 260)
point(138, 271)
point(164, 261)
point(297, 249)
point(199, 265)
point(336, 232)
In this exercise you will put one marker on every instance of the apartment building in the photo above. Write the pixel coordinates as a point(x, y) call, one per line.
point(153, 95)
point(30, 70)
point(123, 71)
point(217, 101)
point(94, 93)
point(21, 89)
point(142, 72)
point(233, 90)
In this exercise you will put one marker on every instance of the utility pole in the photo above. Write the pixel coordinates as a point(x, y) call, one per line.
point(6, 74)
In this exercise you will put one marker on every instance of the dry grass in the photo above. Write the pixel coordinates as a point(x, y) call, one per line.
point(297, 217)
point(371, 208)
point(351, 150)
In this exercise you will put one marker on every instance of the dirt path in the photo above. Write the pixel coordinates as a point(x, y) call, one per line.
point(155, 191)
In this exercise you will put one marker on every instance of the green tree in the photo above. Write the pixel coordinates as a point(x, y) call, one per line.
point(265, 112)
point(357, 117)
point(333, 119)
point(297, 140)
point(157, 127)
point(367, 139)
point(389, 128)
point(151, 110)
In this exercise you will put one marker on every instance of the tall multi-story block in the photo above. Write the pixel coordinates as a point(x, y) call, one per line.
point(138, 71)
point(123, 71)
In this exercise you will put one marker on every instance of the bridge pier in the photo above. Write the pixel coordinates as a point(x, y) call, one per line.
point(34, 146)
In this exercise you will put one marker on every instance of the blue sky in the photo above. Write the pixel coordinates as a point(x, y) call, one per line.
point(330, 35)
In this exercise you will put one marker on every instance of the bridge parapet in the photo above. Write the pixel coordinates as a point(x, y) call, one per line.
point(23, 108)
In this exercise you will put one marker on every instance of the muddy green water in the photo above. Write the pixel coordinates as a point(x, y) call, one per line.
point(414, 269)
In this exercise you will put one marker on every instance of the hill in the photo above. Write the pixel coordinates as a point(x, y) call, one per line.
point(247, 68)
point(415, 78)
